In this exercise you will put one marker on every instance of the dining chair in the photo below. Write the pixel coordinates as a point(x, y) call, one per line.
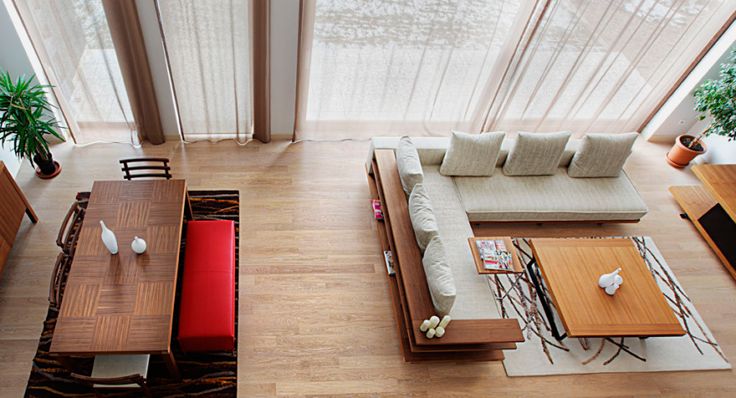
point(146, 168)
point(69, 230)
point(57, 276)
point(118, 372)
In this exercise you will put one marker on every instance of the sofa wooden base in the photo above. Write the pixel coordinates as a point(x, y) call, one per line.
point(477, 340)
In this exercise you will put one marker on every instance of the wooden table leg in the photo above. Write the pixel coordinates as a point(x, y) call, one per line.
point(171, 365)
point(187, 207)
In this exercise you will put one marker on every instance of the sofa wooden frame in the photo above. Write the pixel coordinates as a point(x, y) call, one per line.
point(478, 339)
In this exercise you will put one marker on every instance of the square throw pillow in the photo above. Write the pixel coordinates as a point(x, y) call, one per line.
point(602, 155)
point(536, 154)
point(440, 281)
point(407, 161)
point(422, 216)
point(472, 154)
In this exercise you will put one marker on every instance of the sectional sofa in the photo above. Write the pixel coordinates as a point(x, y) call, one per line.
point(477, 331)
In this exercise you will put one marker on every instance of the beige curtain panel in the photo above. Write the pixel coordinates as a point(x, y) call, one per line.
point(217, 66)
point(379, 67)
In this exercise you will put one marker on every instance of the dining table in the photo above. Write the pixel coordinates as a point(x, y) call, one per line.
point(124, 303)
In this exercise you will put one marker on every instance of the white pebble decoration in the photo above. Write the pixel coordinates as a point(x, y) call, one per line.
point(440, 331)
point(434, 321)
point(431, 333)
point(424, 326)
point(445, 321)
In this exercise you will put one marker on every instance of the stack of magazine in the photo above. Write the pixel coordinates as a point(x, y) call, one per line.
point(494, 254)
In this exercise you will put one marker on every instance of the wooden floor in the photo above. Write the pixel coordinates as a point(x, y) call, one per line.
point(315, 317)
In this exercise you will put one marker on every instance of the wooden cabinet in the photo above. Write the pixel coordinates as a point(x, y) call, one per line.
point(712, 209)
point(13, 204)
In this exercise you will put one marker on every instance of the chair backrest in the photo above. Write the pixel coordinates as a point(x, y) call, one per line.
point(145, 168)
point(69, 230)
point(105, 369)
point(62, 261)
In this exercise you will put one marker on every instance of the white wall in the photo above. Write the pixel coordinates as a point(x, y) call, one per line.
point(677, 115)
point(13, 58)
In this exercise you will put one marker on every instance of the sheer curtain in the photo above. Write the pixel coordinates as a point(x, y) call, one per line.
point(72, 40)
point(386, 68)
point(208, 45)
point(604, 65)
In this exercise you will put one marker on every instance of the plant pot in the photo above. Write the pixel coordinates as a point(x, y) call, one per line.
point(680, 155)
point(46, 167)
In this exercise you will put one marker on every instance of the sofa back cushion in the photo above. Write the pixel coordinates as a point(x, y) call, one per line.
point(422, 216)
point(536, 154)
point(602, 155)
point(440, 281)
point(407, 161)
point(472, 154)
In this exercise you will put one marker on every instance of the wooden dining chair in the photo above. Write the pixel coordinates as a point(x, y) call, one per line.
point(69, 230)
point(117, 372)
point(145, 168)
point(57, 279)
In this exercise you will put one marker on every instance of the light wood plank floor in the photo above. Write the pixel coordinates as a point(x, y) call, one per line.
point(315, 317)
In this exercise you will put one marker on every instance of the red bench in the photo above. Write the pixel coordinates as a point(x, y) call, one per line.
point(207, 312)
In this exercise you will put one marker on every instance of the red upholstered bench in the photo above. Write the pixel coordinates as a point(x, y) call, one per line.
point(207, 311)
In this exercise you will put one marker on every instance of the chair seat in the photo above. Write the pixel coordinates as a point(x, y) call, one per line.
point(111, 366)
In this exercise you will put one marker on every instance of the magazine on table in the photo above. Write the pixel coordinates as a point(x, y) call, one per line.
point(495, 255)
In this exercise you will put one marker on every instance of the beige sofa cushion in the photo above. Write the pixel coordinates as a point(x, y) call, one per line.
point(472, 154)
point(407, 161)
point(602, 155)
point(550, 198)
point(422, 216)
point(474, 298)
point(536, 154)
point(439, 277)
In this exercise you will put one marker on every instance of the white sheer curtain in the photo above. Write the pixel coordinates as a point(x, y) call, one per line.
point(209, 51)
point(386, 67)
point(604, 65)
point(422, 68)
point(72, 40)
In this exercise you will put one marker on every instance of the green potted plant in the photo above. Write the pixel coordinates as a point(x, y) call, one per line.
point(715, 99)
point(25, 121)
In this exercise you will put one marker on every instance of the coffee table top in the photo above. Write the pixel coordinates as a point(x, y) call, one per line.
point(571, 268)
point(124, 303)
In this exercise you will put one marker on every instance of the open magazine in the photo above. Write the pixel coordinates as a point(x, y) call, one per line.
point(494, 254)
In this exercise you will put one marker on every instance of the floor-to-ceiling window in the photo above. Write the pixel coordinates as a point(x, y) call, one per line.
point(73, 42)
point(422, 68)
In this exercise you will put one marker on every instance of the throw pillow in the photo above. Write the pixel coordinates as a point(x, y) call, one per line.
point(602, 155)
point(472, 154)
point(422, 216)
point(440, 281)
point(536, 154)
point(407, 161)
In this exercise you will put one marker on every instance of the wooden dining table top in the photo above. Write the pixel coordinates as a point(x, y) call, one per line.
point(124, 303)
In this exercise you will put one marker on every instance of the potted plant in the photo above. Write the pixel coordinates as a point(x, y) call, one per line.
point(25, 121)
point(715, 99)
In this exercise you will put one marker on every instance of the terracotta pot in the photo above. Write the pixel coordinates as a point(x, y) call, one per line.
point(680, 155)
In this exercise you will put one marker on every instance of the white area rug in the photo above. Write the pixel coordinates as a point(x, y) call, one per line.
point(541, 354)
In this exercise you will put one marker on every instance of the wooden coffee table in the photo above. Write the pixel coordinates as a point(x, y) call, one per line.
point(124, 303)
point(571, 268)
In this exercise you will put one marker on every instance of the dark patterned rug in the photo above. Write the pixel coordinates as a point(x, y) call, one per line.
point(203, 375)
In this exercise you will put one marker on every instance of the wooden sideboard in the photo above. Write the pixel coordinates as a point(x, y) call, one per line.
point(712, 209)
point(13, 205)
